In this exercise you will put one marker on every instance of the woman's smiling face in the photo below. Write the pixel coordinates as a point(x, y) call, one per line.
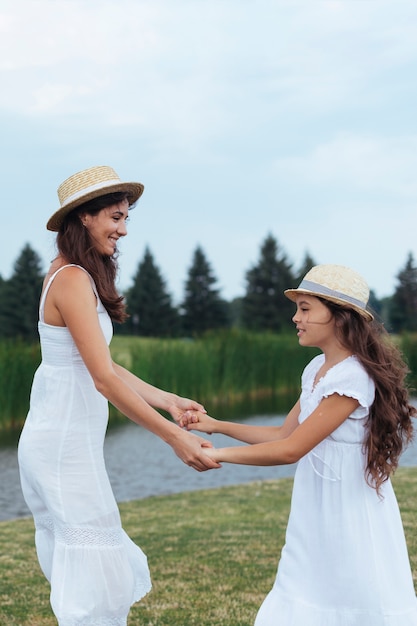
point(107, 226)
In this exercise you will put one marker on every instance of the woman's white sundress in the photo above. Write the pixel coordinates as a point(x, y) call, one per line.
point(345, 560)
point(96, 572)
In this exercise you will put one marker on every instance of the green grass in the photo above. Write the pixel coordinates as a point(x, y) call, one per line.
point(213, 554)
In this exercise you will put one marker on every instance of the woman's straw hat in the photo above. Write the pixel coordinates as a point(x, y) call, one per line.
point(335, 283)
point(87, 185)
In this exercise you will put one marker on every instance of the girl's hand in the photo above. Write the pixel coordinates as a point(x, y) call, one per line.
point(197, 420)
point(181, 405)
point(214, 455)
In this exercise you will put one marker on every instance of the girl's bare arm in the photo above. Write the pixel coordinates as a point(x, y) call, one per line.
point(249, 433)
point(330, 414)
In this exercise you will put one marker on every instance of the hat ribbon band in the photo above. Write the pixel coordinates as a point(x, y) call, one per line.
point(90, 188)
point(326, 291)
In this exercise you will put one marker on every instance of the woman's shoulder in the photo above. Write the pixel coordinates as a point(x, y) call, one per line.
point(65, 284)
point(72, 271)
point(69, 277)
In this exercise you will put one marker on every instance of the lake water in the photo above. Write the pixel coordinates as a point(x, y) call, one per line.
point(140, 465)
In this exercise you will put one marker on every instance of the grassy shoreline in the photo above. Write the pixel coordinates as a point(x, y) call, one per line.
point(212, 554)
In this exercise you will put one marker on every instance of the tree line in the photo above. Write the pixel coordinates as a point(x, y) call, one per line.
point(152, 312)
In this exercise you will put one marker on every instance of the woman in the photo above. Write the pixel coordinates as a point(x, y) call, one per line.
point(96, 572)
point(345, 558)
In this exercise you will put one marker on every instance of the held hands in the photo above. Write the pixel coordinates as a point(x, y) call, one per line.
point(195, 451)
point(198, 420)
point(213, 454)
point(179, 406)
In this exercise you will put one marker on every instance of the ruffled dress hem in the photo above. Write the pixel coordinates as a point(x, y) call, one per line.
point(278, 608)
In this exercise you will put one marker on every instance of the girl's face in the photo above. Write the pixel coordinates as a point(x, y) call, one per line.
point(107, 226)
point(314, 321)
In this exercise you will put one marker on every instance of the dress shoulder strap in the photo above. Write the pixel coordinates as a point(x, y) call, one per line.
point(49, 283)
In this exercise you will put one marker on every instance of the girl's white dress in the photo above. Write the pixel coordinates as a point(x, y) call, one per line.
point(96, 572)
point(345, 560)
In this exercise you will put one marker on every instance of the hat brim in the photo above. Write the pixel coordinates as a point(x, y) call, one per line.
point(293, 293)
point(134, 190)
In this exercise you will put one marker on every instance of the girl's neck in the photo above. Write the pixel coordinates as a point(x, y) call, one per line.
point(331, 358)
point(335, 354)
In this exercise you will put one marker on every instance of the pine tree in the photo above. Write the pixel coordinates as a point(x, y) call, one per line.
point(403, 306)
point(264, 306)
point(149, 304)
point(306, 265)
point(202, 308)
point(19, 303)
point(374, 304)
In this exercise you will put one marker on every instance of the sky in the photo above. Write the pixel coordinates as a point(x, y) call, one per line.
point(241, 118)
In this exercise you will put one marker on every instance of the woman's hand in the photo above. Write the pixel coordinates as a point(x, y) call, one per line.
point(197, 420)
point(181, 405)
point(194, 451)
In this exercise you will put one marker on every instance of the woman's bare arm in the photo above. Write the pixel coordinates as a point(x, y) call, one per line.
point(72, 295)
point(171, 402)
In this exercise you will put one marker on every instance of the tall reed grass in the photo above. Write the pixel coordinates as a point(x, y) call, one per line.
point(221, 367)
point(235, 370)
point(408, 346)
point(18, 362)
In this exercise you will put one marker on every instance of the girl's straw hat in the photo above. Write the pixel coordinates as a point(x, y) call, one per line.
point(335, 283)
point(87, 185)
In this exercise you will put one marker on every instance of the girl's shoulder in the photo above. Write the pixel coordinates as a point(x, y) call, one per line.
point(348, 366)
point(351, 369)
point(348, 378)
point(313, 366)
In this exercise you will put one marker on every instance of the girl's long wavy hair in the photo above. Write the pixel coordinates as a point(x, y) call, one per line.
point(76, 246)
point(389, 427)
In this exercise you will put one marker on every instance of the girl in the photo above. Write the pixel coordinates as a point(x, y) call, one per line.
point(345, 560)
point(96, 572)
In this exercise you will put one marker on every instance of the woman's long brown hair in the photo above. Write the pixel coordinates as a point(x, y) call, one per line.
point(389, 427)
point(75, 245)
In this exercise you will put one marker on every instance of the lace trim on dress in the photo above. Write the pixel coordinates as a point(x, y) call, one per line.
point(76, 536)
point(80, 535)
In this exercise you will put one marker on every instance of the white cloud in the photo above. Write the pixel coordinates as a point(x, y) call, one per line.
point(358, 161)
point(241, 118)
point(191, 54)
